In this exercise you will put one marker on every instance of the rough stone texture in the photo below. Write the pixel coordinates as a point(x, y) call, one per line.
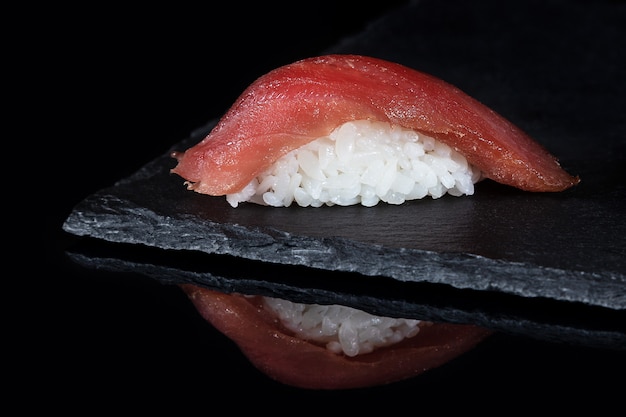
point(562, 84)
point(567, 246)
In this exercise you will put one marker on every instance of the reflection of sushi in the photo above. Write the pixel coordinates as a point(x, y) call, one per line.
point(348, 129)
point(331, 347)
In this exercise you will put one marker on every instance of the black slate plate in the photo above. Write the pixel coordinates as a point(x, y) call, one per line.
point(500, 239)
point(565, 247)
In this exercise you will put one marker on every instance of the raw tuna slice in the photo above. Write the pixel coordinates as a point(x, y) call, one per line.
point(297, 103)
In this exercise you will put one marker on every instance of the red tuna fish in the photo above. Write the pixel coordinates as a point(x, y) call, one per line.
point(294, 104)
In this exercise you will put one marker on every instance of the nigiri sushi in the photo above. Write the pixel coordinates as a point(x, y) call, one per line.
point(351, 129)
point(331, 347)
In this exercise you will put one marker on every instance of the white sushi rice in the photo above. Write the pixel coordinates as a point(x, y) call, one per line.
point(362, 162)
point(342, 329)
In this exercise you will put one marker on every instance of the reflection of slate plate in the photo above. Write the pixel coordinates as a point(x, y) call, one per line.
point(565, 91)
point(541, 319)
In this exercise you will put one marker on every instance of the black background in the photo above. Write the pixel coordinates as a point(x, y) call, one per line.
point(121, 86)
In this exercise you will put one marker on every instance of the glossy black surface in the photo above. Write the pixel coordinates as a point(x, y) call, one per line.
point(126, 338)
